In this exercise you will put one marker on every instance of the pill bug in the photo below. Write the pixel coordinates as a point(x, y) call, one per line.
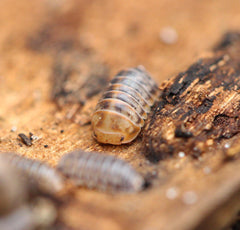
point(123, 107)
point(99, 171)
point(13, 190)
point(20, 219)
point(41, 174)
point(44, 213)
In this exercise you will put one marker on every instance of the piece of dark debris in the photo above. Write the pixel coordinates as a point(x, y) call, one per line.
point(62, 131)
point(27, 141)
point(33, 137)
point(180, 131)
point(45, 146)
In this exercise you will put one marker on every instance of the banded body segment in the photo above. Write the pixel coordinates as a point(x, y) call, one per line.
point(141, 89)
point(115, 94)
point(133, 93)
point(100, 171)
point(143, 78)
point(121, 107)
point(126, 102)
point(41, 174)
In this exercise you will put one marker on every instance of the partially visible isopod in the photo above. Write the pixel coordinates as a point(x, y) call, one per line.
point(44, 213)
point(20, 219)
point(103, 172)
point(13, 190)
point(121, 111)
point(41, 174)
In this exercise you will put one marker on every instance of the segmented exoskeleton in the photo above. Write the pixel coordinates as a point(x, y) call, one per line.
point(100, 171)
point(41, 174)
point(121, 111)
point(13, 191)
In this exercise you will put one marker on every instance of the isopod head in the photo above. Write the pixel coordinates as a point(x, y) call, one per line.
point(113, 128)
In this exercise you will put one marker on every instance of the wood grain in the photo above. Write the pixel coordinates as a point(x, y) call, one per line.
point(198, 108)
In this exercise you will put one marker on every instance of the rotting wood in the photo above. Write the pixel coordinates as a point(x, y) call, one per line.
point(199, 107)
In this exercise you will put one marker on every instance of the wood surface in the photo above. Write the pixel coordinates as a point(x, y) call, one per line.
point(42, 42)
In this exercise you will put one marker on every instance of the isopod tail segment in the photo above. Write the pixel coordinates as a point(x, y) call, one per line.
point(121, 111)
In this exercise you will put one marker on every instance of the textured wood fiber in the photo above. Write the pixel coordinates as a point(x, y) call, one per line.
point(198, 108)
point(122, 35)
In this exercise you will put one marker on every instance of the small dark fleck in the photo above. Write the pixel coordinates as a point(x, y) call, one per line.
point(41, 128)
point(149, 177)
point(25, 139)
point(31, 136)
point(20, 144)
point(122, 138)
point(147, 184)
point(180, 132)
point(62, 131)
point(45, 146)
point(196, 154)
point(206, 105)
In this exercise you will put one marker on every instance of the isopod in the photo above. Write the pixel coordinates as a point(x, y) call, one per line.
point(40, 214)
point(121, 111)
point(41, 174)
point(13, 190)
point(99, 171)
point(20, 219)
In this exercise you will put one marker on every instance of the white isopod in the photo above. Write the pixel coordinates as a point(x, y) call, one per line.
point(121, 111)
point(100, 171)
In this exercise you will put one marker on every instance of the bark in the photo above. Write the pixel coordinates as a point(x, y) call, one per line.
point(199, 107)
